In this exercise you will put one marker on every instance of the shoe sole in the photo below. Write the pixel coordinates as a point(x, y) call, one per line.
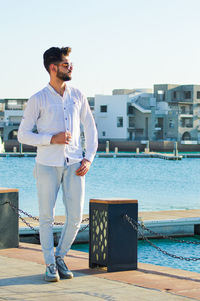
point(51, 279)
point(63, 276)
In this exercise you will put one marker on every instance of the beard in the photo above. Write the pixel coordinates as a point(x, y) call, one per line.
point(63, 76)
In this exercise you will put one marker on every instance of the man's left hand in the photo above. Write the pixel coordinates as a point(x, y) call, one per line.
point(83, 169)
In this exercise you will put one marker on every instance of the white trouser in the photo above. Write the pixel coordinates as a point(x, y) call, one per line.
point(49, 179)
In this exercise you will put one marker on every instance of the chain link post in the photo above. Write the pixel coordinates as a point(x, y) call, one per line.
point(111, 243)
point(9, 227)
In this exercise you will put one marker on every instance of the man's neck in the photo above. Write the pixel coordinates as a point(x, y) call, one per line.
point(58, 85)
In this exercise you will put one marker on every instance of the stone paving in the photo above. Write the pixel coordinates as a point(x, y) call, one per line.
point(22, 269)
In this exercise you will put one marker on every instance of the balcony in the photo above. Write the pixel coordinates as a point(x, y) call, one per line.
point(181, 100)
point(158, 128)
point(11, 123)
point(186, 115)
point(131, 125)
point(14, 107)
point(186, 126)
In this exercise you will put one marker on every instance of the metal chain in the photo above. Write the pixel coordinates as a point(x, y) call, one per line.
point(31, 227)
point(136, 226)
point(84, 227)
point(168, 237)
point(22, 219)
point(18, 211)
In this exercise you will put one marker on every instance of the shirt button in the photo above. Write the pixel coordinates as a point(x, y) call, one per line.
point(65, 118)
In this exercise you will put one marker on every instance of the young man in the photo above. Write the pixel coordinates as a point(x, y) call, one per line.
point(58, 111)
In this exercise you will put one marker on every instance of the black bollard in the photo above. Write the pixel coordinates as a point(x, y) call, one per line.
point(113, 242)
point(9, 227)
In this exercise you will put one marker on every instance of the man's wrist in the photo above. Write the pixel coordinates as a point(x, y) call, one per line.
point(87, 160)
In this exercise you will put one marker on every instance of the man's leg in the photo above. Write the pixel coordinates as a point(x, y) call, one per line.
point(73, 199)
point(48, 183)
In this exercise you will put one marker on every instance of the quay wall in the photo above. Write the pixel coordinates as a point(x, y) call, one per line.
point(123, 146)
point(157, 146)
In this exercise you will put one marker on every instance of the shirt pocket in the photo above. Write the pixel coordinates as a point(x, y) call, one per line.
point(54, 109)
point(73, 108)
point(54, 113)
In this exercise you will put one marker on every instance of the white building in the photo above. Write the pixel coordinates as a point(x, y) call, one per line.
point(11, 112)
point(125, 116)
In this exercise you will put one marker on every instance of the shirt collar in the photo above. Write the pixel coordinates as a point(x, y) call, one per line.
point(67, 90)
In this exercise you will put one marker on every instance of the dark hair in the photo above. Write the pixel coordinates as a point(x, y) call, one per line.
point(54, 55)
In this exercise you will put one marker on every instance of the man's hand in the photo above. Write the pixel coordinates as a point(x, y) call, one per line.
point(61, 138)
point(83, 169)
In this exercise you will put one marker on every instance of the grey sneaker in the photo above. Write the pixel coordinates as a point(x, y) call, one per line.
point(51, 274)
point(63, 270)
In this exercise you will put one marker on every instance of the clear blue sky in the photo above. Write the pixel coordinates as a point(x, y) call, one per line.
point(115, 43)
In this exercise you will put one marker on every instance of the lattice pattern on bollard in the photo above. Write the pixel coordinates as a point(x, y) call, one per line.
point(112, 244)
point(99, 239)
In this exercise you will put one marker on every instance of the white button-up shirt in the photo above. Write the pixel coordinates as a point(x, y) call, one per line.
point(52, 114)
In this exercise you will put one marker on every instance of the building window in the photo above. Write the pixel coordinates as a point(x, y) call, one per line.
point(130, 110)
point(161, 95)
point(103, 109)
point(174, 94)
point(131, 122)
point(171, 124)
point(120, 122)
point(182, 109)
point(187, 94)
point(186, 123)
point(198, 94)
point(103, 133)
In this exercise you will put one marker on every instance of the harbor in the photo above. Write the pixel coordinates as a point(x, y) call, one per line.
point(157, 184)
point(122, 91)
point(25, 265)
point(166, 156)
point(176, 223)
point(175, 155)
point(168, 198)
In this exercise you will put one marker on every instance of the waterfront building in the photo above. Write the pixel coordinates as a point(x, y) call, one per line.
point(125, 115)
point(11, 112)
point(91, 101)
point(182, 119)
point(170, 112)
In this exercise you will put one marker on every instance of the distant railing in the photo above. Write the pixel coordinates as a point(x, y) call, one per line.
point(14, 107)
point(181, 100)
point(10, 123)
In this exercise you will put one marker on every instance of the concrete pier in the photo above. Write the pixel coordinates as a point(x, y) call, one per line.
point(172, 222)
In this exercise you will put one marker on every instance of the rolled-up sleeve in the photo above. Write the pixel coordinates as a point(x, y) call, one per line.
point(90, 131)
point(29, 120)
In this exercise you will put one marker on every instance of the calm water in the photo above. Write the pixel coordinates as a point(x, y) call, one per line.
point(157, 184)
point(148, 254)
